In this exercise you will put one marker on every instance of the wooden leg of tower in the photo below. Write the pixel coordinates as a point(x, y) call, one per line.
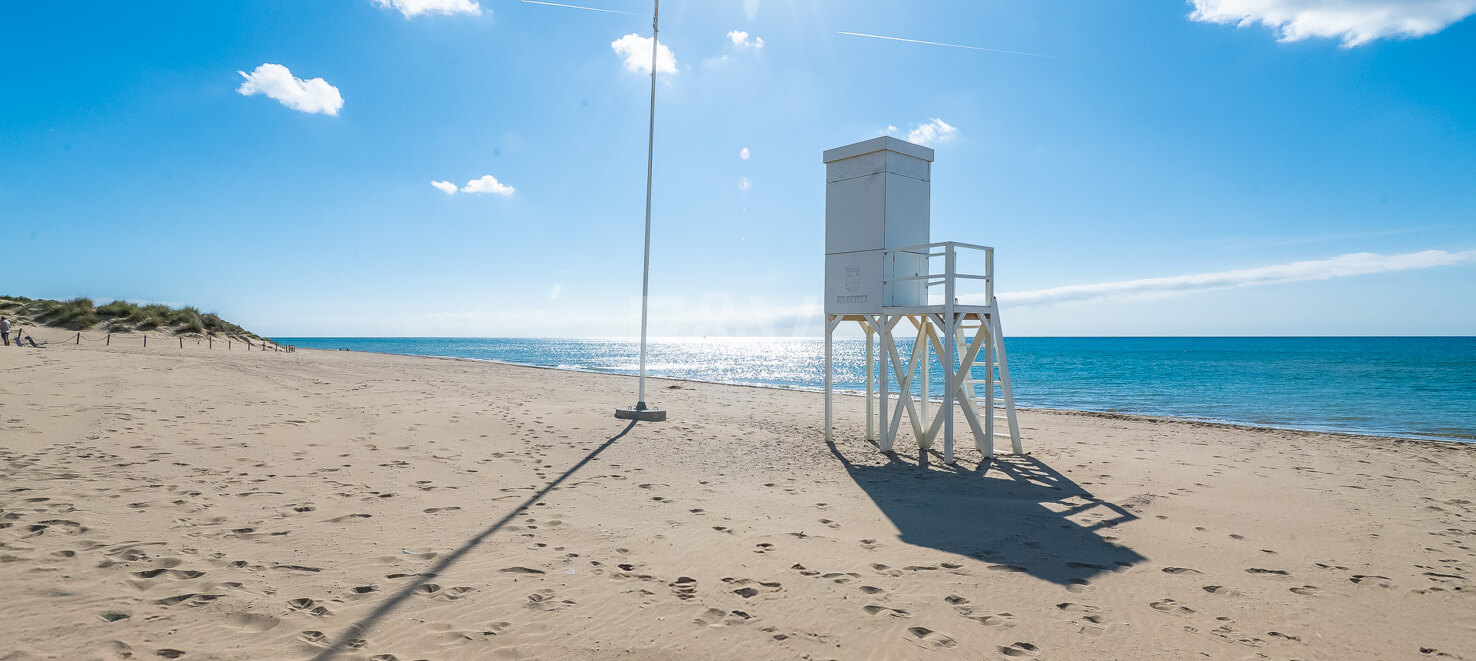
point(987, 449)
point(870, 381)
point(1004, 381)
point(830, 323)
point(921, 345)
point(950, 378)
point(920, 358)
point(967, 355)
point(905, 404)
point(884, 388)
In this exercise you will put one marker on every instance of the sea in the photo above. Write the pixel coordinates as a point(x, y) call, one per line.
point(1406, 387)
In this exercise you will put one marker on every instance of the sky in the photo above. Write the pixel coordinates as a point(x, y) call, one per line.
point(477, 167)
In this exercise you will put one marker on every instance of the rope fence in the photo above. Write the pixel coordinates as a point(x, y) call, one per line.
point(142, 337)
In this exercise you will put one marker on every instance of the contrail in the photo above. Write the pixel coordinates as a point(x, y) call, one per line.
point(606, 11)
point(1342, 266)
point(937, 43)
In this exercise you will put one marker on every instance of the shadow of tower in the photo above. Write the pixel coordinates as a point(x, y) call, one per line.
point(1015, 512)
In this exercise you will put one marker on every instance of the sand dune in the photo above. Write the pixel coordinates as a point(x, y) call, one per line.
point(204, 504)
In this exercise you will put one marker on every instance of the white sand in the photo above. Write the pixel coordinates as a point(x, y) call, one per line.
point(227, 505)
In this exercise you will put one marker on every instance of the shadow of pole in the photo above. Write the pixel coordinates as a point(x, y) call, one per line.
point(357, 629)
point(1014, 511)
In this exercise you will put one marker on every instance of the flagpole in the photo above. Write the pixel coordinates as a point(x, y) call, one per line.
point(641, 411)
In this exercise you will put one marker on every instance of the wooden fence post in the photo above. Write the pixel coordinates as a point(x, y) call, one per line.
point(79, 337)
point(146, 340)
point(110, 340)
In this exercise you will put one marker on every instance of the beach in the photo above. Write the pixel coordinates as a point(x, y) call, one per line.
point(206, 504)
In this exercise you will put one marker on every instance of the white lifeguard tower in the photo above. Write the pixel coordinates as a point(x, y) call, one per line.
point(880, 269)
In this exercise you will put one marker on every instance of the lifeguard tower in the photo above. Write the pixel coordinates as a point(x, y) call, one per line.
point(881, 268)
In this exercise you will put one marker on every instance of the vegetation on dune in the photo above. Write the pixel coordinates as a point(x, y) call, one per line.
point(118, 317)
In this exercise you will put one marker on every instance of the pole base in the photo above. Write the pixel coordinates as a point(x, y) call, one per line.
point(640, 412)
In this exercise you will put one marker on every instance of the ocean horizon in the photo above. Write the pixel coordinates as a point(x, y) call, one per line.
point(1403, 387)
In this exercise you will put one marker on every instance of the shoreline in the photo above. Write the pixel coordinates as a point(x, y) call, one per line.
point(1149, 417)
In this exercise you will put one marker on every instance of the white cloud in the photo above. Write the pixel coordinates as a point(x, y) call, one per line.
point(1356, 22)
point(484, 184)
point(1342, 266)
point(416, 7)
point(741, 40)
point(277, 82)
point(637, 53)
point(744, 154)
point(487, 184)
point(931, 132)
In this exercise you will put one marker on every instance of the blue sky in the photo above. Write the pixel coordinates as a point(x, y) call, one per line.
point(1217, 167)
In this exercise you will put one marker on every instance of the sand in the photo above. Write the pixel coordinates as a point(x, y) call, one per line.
point(197, 504)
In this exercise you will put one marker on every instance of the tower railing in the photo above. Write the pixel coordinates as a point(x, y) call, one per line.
point(948, 278)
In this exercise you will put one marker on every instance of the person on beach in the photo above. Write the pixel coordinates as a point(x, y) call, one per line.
point(5, 330)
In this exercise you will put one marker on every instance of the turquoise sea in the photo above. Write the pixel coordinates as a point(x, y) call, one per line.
point(1410, 387)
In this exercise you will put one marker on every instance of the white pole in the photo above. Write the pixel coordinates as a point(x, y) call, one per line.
point(650, 156)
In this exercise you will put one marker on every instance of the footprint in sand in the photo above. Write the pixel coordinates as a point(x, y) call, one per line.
point(310, 607)
point(877, 609)
point(925, 637)
point(176, 574)
point(190, 599)
point(1180, 570)
point(544, 600)
point(716, 617)
point(748, 588)
point(1306, 590)
point(1171, 607)
point(1381, 581)
point(962, 607)
point(685, 587)
point(1091, 621)
point(454, 592)
point(840, 577)
point(347, 517)
point(252, 622)
point(1019, 650)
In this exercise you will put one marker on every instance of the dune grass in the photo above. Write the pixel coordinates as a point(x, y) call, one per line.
point(118, 316)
